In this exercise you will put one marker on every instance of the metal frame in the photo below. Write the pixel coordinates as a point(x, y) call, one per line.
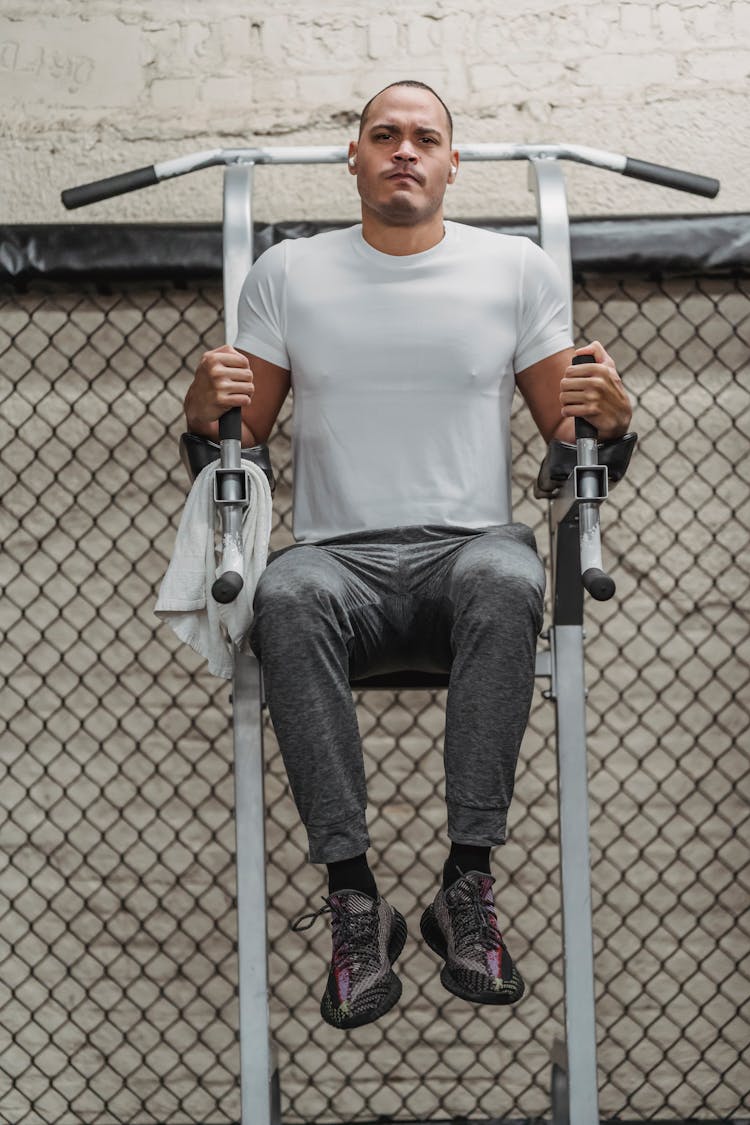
point(259, 1084)
point(576, 1099)
point(576, 562)
point(574, 1063)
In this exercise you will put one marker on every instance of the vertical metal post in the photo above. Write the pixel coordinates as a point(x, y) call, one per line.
point(566, 643)
point(256, 1064)
point(547, 181)
point(237, 248)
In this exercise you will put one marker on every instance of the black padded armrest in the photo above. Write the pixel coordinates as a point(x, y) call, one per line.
point(196, 452)
point(562, 457)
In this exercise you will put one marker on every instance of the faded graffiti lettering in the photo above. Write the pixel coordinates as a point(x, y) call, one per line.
point(57, 65)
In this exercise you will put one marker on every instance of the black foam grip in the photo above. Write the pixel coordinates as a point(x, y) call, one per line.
point(105, 189)
point(230, 425)
point(599, 585)
point(671, 177)
point(226, 588)
point(584, 428)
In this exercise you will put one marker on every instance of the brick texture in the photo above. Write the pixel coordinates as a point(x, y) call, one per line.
point(94, 87)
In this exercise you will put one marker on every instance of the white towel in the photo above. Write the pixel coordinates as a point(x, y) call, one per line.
point(185, 602)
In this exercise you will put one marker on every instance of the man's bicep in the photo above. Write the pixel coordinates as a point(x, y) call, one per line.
point(271, 388)
point(540, 387)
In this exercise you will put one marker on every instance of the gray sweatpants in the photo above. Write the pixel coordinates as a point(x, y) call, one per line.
point(427, 598)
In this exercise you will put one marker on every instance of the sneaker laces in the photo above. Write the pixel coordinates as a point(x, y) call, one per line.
point(355, 936)
point(475, 919)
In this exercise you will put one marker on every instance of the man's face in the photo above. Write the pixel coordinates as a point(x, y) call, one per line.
point(403, 157)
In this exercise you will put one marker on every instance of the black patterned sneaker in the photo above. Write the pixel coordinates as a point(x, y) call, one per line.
point(461, 926)
point(368, 936)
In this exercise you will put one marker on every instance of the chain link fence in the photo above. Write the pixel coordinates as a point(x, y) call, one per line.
point(118, 973)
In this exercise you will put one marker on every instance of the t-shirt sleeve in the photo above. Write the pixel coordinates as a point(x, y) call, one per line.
point(260, 314)
point(543, 313)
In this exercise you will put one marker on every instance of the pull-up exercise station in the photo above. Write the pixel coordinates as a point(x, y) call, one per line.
point(573, 478)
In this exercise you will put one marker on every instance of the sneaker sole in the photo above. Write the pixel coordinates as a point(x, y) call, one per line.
point(395, 988)
point(433, 935)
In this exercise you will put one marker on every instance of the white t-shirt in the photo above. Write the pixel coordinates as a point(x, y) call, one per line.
point(402, 369)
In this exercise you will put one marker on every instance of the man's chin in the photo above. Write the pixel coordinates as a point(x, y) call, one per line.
point(401, 210)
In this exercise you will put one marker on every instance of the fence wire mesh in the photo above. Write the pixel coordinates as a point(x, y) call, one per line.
point(118, 971)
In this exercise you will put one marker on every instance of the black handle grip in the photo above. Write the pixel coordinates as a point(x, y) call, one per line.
point(230, 425)
point(599, 585)
point(226, 587)
point(671, 177)
point(584, 428)
point(105, 189)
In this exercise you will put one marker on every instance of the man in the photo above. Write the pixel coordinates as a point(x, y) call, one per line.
point(403, 339)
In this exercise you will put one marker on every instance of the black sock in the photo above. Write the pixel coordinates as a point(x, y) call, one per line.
point(462, 859)
point(351, 875)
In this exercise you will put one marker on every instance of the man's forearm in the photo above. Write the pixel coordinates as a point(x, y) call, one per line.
point(566, 430)
point(194, 423)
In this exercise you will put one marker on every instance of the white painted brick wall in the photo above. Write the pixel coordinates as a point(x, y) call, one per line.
point(93, 87)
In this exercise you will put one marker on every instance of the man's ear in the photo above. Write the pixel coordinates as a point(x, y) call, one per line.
point(352, 158)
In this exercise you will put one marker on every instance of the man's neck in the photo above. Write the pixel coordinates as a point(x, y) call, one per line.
point(402, 240)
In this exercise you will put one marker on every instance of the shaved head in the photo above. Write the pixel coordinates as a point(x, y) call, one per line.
point(415, 85)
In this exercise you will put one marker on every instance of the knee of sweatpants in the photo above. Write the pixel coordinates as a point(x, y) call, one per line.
point(297, 591)
point(501, 576)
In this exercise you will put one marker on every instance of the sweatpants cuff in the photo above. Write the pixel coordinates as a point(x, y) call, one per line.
point(329, 843)
point(480, 827)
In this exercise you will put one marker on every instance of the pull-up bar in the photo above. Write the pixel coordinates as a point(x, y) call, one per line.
point(337, 154)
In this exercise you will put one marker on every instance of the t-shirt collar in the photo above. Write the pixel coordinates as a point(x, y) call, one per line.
point(400, 261)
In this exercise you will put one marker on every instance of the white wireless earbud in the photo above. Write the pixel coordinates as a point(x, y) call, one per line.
point(352, 161)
